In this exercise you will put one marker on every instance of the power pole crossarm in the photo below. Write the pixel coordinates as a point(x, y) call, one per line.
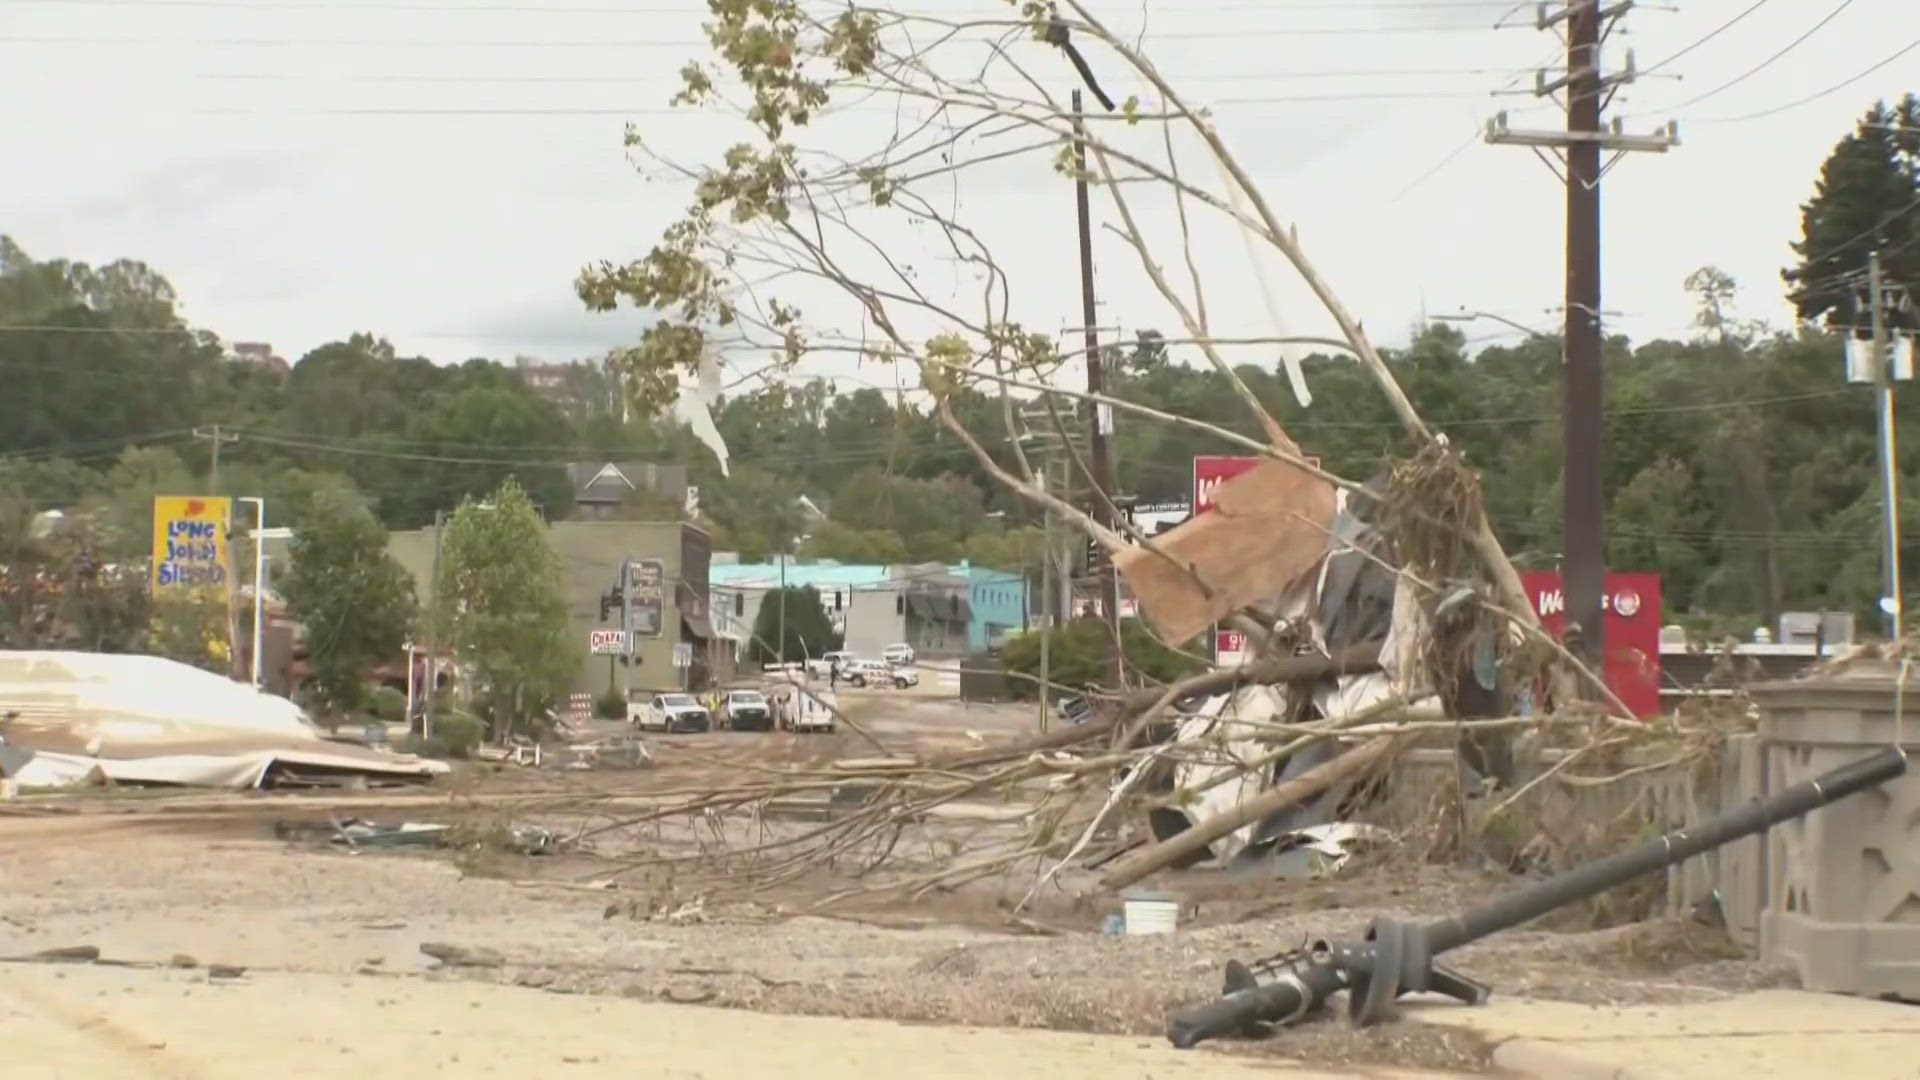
point(214, 435)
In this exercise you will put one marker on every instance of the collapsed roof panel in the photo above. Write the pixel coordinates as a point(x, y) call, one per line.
point(144, 719)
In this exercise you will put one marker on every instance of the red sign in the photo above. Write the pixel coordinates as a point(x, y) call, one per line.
point(1210, 472)
point(1632, 606)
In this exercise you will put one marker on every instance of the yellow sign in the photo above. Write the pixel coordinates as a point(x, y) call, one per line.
point(190, 552)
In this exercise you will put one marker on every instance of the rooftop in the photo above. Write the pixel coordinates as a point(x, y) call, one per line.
point(798, 575)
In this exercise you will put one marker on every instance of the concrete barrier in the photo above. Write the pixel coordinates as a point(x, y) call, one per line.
point(1841, 889)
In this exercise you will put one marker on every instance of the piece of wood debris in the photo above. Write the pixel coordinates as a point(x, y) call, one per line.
point(461, 956)
point(1268, 526)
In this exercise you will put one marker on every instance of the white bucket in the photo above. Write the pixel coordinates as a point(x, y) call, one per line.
point(1151, 915)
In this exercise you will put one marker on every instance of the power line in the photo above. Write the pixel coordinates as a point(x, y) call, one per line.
point(1764, 64)
point(596, 111)
point(1810, 98)
point(333, 7)
point(518, 456)
point(459, 335)
point(1709, 36)
point(97, 448)
point(635, 80)
point(657, 43)
point(1472, 138)
point(1872, 231)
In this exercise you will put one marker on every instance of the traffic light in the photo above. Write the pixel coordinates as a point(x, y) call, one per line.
point(609, 600)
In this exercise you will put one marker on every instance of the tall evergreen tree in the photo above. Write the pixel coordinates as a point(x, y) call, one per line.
point(1867, 198)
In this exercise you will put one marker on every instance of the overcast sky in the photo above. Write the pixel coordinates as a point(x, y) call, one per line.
point(437, 171)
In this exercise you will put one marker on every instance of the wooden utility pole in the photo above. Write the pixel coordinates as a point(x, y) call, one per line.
point(214, 435)
point(1100, 417)
point(1046, 607)
point(1588, 88)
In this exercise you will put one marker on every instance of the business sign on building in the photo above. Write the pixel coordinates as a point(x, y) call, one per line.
point(1209, 472)
point(1632, 631)
point(190, 545)
point(607, 642)
point(647, 598)
point(1229, 648)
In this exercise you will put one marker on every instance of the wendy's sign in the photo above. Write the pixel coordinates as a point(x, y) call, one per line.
point(1633, 615)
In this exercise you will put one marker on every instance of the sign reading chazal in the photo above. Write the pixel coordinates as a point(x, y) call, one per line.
point(190, 542)
point(607, 642)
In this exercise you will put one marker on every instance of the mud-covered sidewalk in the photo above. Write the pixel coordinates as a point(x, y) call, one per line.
point(144, 891)
point(94, 1023)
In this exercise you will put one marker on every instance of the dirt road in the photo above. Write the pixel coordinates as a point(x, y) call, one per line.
point(608, 955)
point(91, 1023)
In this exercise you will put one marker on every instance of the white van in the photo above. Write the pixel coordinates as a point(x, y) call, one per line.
point(805, 708)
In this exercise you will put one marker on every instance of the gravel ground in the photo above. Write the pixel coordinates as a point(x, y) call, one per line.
point(141, 890)
point(217, 887)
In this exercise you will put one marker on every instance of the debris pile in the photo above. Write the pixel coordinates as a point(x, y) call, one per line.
point(1375, 621)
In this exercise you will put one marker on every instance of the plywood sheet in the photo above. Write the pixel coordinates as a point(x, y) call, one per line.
point(1268, 526)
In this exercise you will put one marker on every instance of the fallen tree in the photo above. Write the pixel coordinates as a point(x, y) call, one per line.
point(805, 229)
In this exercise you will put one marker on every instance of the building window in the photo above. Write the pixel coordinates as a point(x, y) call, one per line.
point(899, 605)
point(739, 604)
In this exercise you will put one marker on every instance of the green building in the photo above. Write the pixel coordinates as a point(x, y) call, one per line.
point(684, 654)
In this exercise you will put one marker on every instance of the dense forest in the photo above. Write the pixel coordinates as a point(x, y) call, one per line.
point(1741, 464)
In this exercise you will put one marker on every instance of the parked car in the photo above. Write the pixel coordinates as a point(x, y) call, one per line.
point(879, 673)
point(747, 710)
point(899, 654)
point(672, 713)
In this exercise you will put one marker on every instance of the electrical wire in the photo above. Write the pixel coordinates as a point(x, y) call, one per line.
point(456, 335)
point(634, 80)
point(1843, 277)
point(1762, 65)
point(593, 111)
point(1810, 98)
point(1709, 36)
point(658, 43)
point(1435, 169)
point(346, 6)
point(523, 457)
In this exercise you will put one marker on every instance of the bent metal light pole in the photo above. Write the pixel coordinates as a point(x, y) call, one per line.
point(1473, 316)
point(1397, 958)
